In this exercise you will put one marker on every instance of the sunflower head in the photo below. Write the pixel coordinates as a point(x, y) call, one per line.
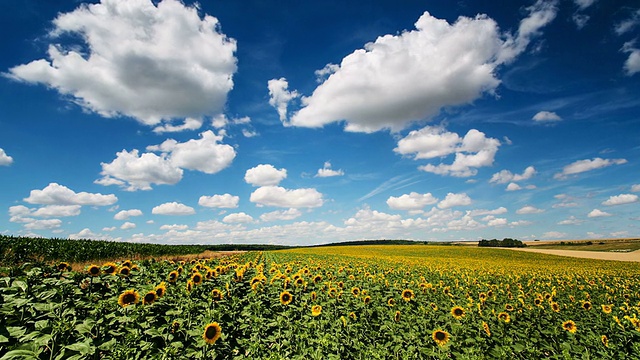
point(127, 263)
point(173, 276)
point(316, 310)
point(441, 337)
point(508, 307)
point(314, 296)
point(63, 266)
point(407, 294)
point(355, 291)
point(607, 309)
point(286, 298)
point(212, 333)
point(124, 271)
point(391, 302)
point(504, 317)
point(189, 286)
point(110, 268)
point(317, 278)
point(570, 326)
point(93, 270)
point(128, 297)
point(196, 278)
point(150, 297)
point(161, 289)
point(434, 306)
point(485, 327)
point(457, 312)
point(352, 315)
point(396, 316)
point(586, 305)
point(605, 340)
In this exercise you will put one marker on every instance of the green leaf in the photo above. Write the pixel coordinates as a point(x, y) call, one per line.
point(106, 346)
point(19, 354)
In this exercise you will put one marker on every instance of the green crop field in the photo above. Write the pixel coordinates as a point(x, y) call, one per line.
point(348, 302)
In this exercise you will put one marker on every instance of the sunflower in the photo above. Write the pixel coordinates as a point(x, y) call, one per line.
point(299, 281)
point(128, 297)
point(189, 286)
point(586, 305)
point(316, 310)
point(570, 326)
point(396, 317)
point(161, 289)
point(212, 333)
point(216, 295)
point(485, 327)
point(314, 296)
point(127, 263)
point(196, 278)
point(340, 284)
point(366, 300)
point(508, 307)
point(355, 291)
point(457, 312)
point(317, 278)
point(110, 268)
point(434, 306)
point(286, 298)
point(63, 266)
point(180, 270)
point(605, 340)
point(391, 302)
point(93, 270)
point(150, 297)
point(482, 296)
point(124, 271)
point(504, 317)
point(173, 276)
point(537, 301)
point(441, 337)
point(352, 315)
point(134, 267)
point(607, 309)
point(407, 294)
point(555, 307)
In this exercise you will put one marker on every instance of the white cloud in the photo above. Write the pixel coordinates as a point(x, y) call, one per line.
point(281, 197)
point(224, 201)
point(473, 151)
point(513, 187)
point(597, 213)
point(505, 176)
point(189, 124)
point(206, 154)
point(240, 217)
point(480, 212)
point(57, 211)
point(86, 233)
point(583, 4)
point(139, 171)
point(497, 222)
point(581, 166)
point(5, 159)
point(289, 214)
point(375, 88)
point(174, 227)
point(572, 220)
point(112, 228)
point(47, 224)
point(580, 20)
point(173, 208)
point(621, 199)
point(528, 209)
point(280, 96)
point(127, 226)
point(412, 201)
point(137, 59)
point(264, 175)
point(125, 214)
point(249, 133)
point(55, 194)
point(632, 65)
point(452, 200)
point(635, 188)
point(546, 116)
point(628, 24)
point(327, 171)
point(554, 235)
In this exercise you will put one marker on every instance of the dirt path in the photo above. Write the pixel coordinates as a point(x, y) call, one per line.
point(600, 255)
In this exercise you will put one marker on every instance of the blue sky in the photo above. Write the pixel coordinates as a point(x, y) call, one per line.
point(313, 122)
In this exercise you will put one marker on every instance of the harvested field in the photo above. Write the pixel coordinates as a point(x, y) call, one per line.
point(616, 256)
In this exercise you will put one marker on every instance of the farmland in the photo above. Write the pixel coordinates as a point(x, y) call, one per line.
point(360, 302)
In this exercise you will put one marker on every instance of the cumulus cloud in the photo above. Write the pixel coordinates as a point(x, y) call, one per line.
point(581, 166)
point(56, 194)
point(127, 226)
point(327, 171)
point(528, 209)
point(188, 124)
point(481, 212)
point(138, 172)
point(572, 220)
point(635, 188)
point(281, 197)
point(546, 116)
point(240, 217)
point(513, 187)
point(412, 201)
point(497, 222)
point(628, 24)
point(621, 199)
point(224, 201)
point(472, 151)
point(264, 175)
point(173, 208)
point(580, 20)
point(505, 176)
point(597, 213)
point(289, 214)
point(151, 62)
point(375, 88)
point(47, 224)
point(5, 159)
point(125, 214)
point(632, 65)
point(452, 200)
point(174, 227)
point(280, 96)
point(23, 214)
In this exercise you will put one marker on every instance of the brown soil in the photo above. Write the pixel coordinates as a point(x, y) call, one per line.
point(616, 256)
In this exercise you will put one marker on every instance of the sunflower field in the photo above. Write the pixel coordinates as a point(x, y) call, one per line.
point(347, 302)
